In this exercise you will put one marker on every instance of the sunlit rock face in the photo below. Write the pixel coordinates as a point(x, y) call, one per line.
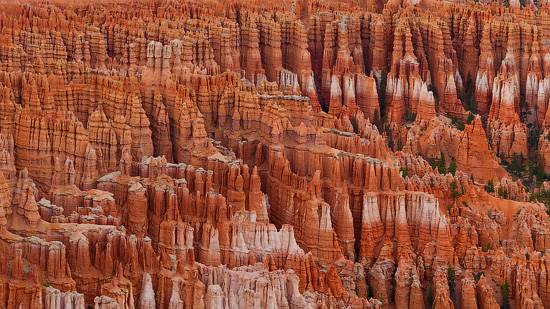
point(281, 154)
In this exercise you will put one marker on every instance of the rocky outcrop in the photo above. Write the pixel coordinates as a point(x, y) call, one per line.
point(508, 133)
point(468, 292)
point(280, 154)
point(470, 148)
point(485, 294)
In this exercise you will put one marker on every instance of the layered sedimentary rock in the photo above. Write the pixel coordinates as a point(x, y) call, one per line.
point(470, 149)
point(508, 133)
point(305, 154)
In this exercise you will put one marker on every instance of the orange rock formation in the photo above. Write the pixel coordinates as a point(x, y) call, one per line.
point(281, 154)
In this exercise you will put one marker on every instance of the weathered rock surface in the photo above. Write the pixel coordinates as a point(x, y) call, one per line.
point(281, 154)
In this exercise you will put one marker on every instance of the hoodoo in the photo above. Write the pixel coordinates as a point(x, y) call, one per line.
point(274, 154)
